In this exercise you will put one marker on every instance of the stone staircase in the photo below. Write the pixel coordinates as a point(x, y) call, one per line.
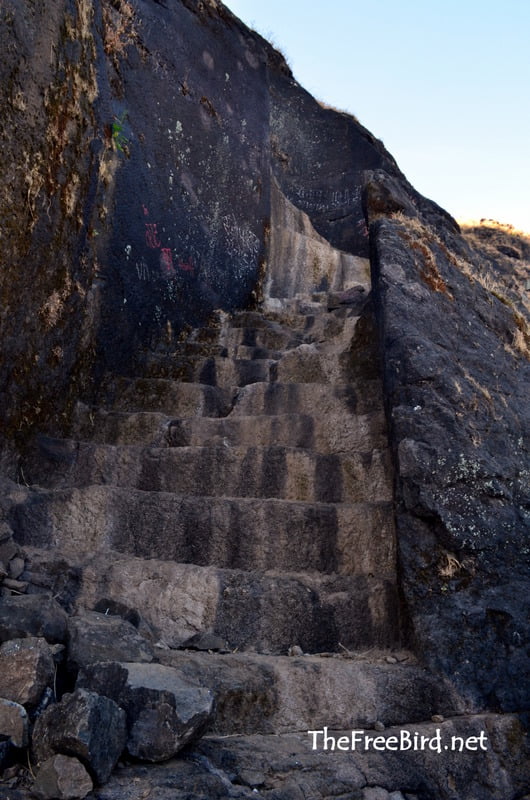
point(239, 491)
point(252, 457)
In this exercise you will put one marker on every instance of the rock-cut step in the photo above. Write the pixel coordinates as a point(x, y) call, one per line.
point(355, 432)
point(210, 371)
point(279, 694)
point(286, 767)
point(260, 611)
point(178, 399)
point(305, 364)
point(238, 533)
point(282, 472)
point(175, 398)
point(496, 767)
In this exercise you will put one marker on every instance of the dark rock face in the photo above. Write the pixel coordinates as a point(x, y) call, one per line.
point(456, 387)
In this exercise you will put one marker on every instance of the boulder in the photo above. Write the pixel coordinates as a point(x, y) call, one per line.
point(164, 711)
point(26, 670)
point(375, 793)
point(168, 712)
point(86, 725)
point(62, 778)
point(16, 567)
point(97, 637)
point(32, 615)
point(14, 722)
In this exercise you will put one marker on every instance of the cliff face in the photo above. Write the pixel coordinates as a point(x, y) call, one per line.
point(140, 142)
point(160, 162)
point(454, 336)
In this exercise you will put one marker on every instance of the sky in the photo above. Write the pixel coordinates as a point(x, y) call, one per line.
point(445, 86)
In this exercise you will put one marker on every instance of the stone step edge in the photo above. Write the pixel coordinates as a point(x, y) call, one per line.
point(71, 446)
point(164, 420)
point(295, 692)
point(438, 733)
point(331, 387)
point(385, 731)
point(43, 491)
point(176, 600)
point(197, 358)
point(111, 412)
point(311, 579)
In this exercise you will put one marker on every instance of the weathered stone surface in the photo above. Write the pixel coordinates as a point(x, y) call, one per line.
point(499, 772)
point(286, 768)
point(457, 395)
point(62, 778)
point(164, 711)
point(354, 298)
point(177, 600)
point(32, 615)
point(14, 722)
point(8, 550)
point(271, 694)
point(350, 539)
point(26, 670)
point(178, 779)
point(86, 725)
point(100, 637)
point(6, 532)
point(19, 587)
point(16, 567)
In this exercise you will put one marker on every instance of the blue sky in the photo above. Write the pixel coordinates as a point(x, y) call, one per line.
point(446, 86)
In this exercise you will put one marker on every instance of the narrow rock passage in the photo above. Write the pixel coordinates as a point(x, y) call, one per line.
point(253, 458)
point(236, 496)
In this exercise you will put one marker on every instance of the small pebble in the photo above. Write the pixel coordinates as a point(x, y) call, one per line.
point(16, 567)
point(295, 650)
point(379, 726)
point(437, 718)
point(391, 660)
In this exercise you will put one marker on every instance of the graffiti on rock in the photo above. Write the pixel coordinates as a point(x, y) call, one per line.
point(322, 200)
point(151, 236)
point(166, 261)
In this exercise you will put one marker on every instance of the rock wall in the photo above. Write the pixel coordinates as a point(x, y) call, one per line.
point(139, 142)
point(454, 327)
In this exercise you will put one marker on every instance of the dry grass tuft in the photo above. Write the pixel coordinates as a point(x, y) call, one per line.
point(509, 249)
point(421, 239)
point(502, 267)
point(119, 30)
point(449, 566)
